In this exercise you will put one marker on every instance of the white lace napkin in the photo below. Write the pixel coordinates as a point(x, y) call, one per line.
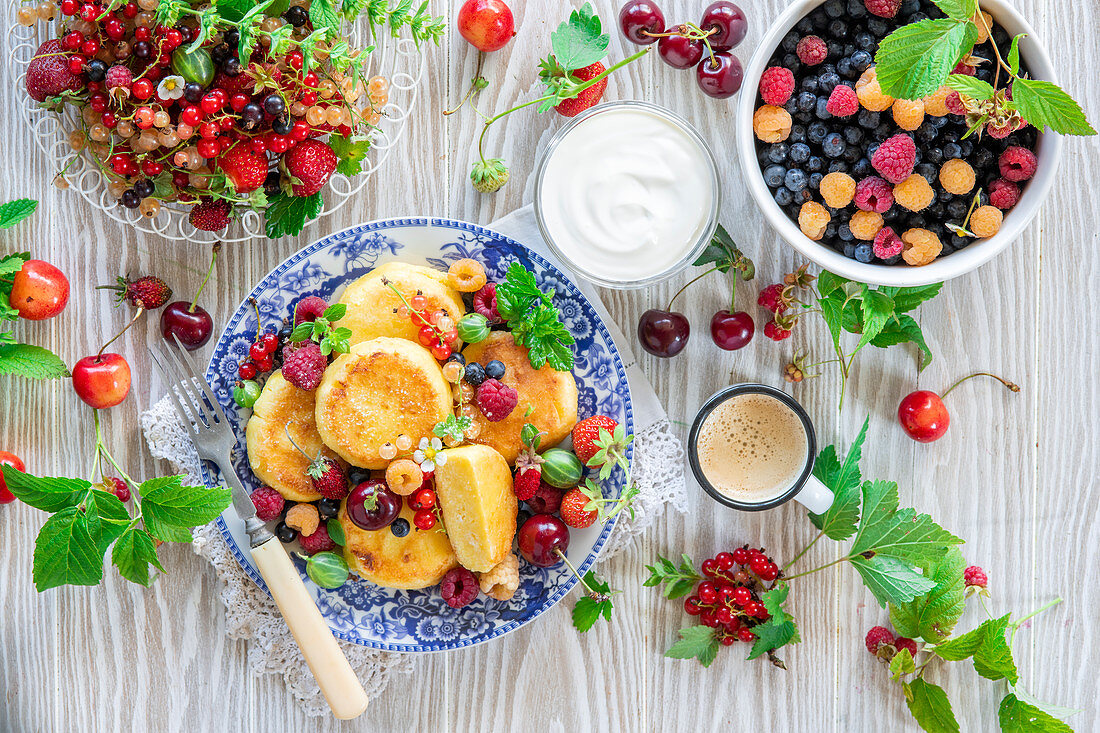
point(658, 469)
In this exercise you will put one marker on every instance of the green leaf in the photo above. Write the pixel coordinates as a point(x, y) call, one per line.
point(903, 329)
point(961, 9)
point(971, 86)
point(827, 282)
point(1044, 104)
point(993, 658)
point(832, 310)
point(1056, 711)
point(350, 152)
point(107, 516)
point(902, 664)
point(840, 520)
point(134, 552)
point(887, 531)
point(1017, 716)
point(322, 13)
point(166, 532)
point(679, 581)
point(168, 501)
point(588, 609)
point(962, 646)
point(933, 616)
point(11, 264)
point(580, 41)
point(930, 707)
point(891, 580)
point(914, 61)
point(48, 493)
point(777, 631)
point(696, 642)
point(33, 362)
point(233, 10)
point(336, 532)
point(720, 251)
point(1014, 54)
point(65, 553)
point(877, 306)
point(16, 211)
point(287, 215)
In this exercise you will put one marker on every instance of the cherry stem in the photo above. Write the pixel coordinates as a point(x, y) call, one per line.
point(209, 272)
point(114, 338)
point(733, 295)
point(689, 282)
point(564, 559)
point(1005, 382)
point(687, 30)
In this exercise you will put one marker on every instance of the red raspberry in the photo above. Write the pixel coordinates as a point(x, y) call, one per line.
point(1018, 164)
point(119, 76)
point(1004, 194)
point(777, 85)
point(874, 194)
point(965, 69)
point(526, 482)
point(319, 541)
point(999, 132)
point(812, 50)
point(883, 8)
point(887, 244)
point(903, 643)
point(843, 102)
point(954, 104)
point(975, 576)
point(776, 333)
point(485, 302)
point(305, 366)
point(771, 298)
point(878, 637)
point(496, 399)
point(459, 588)
point(269, 503)
point(546, 500)
point(895, 158)
point(309, 308)
point(119, 488)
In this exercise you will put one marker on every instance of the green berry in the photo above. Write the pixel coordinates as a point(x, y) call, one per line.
point(327, 569)
point(472, 328)
point(489, 175)
point(246, 393)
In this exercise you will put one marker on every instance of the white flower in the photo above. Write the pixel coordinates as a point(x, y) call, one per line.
point(170, 87)
point(429, 454)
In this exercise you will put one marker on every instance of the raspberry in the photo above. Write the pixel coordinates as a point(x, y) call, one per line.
point(908, 115)
point(905, 643)
point(485, 302)
point(975, 576)
point(771, 124)
point(883, 8)
point(305, 366)
point(304, 518)
point(935, 104)
point(957, 177)
point(502, 580)
point(149, 292)
point(837, 189)
point(865, 225)
point(546, 500)
point(914, 193)
point(983, 21)
point(309, 308)
point(526, 482)
point(965, 69)
point(119, 76)
point(843, 101)
point(887, 244)
point(328, 478)
point(319, 541)
point(776, 85)
point(870, 93)
point(812, 219)
point(812, 50)
point(1018, 164)
point(459, 588)
point(895, 158)
point(1000, 132)
point(771, 298)
point(874, 194)
point(1004, 194)
point(986, 221)
point(268, 502)
point(496, 399)
point(954, 104)
point(118, 487)
point(775, 332)
point(878, 637)
point(921, 246)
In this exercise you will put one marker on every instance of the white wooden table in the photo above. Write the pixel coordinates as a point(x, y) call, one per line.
point(1015, 475)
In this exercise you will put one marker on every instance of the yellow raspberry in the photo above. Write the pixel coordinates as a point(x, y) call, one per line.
point(812, 219)
point(957, 177)
point(921, 247)
point(984, 24)
point(914, 193)
point(502, 580)
point(865, 225)
point(838, 189)
point(870, 93)
point(986, 221)
point(908, 114)
point(935, 104)
point(771, 124)
point(304, 518)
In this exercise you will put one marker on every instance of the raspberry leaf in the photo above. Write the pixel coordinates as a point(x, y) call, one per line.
point(65, 552)
point(1014, 54)
point(993, 657)
point(1060, 712)
point(50, 494)
point(843, 479)
point(933, 615)
point(592, 606)
point(876, 308)
point(902, 664)
point(886, 531)
point(31, 361)
point(891, 580)
point(907, 299)
point(678, 581)
point(580, 40)
point(13, 212)
point(696, 642)
point(902, 329)
point(961, 9)
point(971, 86)
point(1017, 716)
point(170, 502)
point(1044, 104)
point(963, 646)
point(779, 630)
point(930, 707)
point(134, 552)
point(107, 518)
point(827, 283)
point(914, 61)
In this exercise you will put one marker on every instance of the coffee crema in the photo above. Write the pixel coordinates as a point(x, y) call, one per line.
point(752, 447)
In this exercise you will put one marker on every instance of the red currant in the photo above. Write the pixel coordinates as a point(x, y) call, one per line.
point(310, 80)
point(238, 101)
point(691, 606)
point(708, 618)
point(98, 102)
point(90, 47)
point(143, 89)
point(258, 145)
point(172, 38)
point(426, 336)
point(441, 351)
point(741, 595)
point(247, 370)
point(109, 120)
point(769, 573)
point(449, 336)
point(210, 104)
point(710, 568)
point(270, 342)
point(208, 130)
point(152, 167)
point(723, 615)
point(76, 64)
point(265, 364)
point(89, 12)
point(72, 40)
point(424, 519)
point(422, 499)
point(740, 555)
point(294, 59)
point(725, 593)
point(257, 351)
point(277, 143)
point(70, 7)
point(746, 635)
point(208, 148)
point(728, 640)
point(707, 593)
point(191, 115)
point(300, 131)
point(752, 608)
point(141, 33)
point(115, 30)
point(309, 99)
point(724, 560)
point(130, 10)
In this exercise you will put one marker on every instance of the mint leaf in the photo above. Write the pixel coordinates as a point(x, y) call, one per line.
point(33, 362)
point(930, 707)
point(287, 215)
point(777, 631)
point(902, 664)
point(839, 521)
point(971, 86)
point(886, 531)
point(877, 307)
point(580, 41)
point(350, 152)
point(1044, 104)
point(167, 501)
point(914, 61)
point(962, 9)
point(933, 616)
point(134, 552)
point(16, 211)
point(64, 553)
point(588, 609)
point(1017, 716)
point(534, 321)
point(696, 642)
point(891, 580)
point(48, 493)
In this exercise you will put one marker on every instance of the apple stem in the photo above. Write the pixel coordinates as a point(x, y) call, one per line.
point(114, 338)
point(1005, 382)
point(209, 272)
point(564, 559)
point(689, 282)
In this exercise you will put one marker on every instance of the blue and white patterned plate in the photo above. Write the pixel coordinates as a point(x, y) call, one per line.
point(419, 620)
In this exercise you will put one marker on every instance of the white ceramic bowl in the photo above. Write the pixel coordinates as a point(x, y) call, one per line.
point(1048, 150)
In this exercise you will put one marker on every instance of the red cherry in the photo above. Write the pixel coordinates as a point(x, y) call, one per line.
point(923, 416)
point(487, 24)
point(387, 505)
point(541, 537)
point(732, 331)
point(663, 333)
point(102, 381)
point(8, 459)
point(39, 291)
point(191, 326)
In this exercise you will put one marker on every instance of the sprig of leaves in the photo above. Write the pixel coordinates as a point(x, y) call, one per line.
point(534, 320)
point(351, 153)
point(454, 427)
point(322, 331)
point(677, 581)
point(596, 602)
point(287, 215)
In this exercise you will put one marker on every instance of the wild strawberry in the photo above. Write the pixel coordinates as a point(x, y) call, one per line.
point(328, 478)
point(245, 169)
point(211, 215)
point(587, 98)
point(148, 292)
point(309, 164)
point(48, 73)
point(526, 482)
point(573, 511)
point(586, 435)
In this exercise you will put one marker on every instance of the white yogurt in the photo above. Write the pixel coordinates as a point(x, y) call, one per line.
point(626, 195)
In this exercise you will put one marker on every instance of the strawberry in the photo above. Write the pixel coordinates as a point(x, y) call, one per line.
point(310, 162)
point(573, 511)
point(587, 432)
point(210, 215)
point(147, 292)
point(328, 478)
point(48, 72)
point(587, 98)
point(245, 169)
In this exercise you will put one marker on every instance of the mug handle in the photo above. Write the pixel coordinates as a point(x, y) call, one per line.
point(815, 496)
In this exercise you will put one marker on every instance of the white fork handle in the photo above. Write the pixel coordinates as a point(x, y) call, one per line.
point(342, 689)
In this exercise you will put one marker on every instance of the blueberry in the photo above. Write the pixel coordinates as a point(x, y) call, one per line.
point(284, 533)
point(792, 62)
point(867, 119)
point(357, 475)
point(819, 19)
point(773, 176)
point(909, 6)
point(328, 508)
point(967, 148)
point(836, 49)
point(495, 369)
point(952, 150)
point(805, 26)
point(838, 166)
point(866, 43)
point(475, 374)
point(809, 84)
point(783, 197)
point(828, 81)
point(892, 260)
point(856, 8)
point(852, 154)
point(850, 250)
point(918, 222)
point(456, 356)
point(830, 231)
point(807, 101)
point(956, 210)
point(929, 172)
point(933, 156)
point(958, 242)
point(816, 132)
point(95, 70)
point(778, 153)
point(864, 252)
point(927, 133)
point(795, 180)
point(838, 29)
point(853, 135)
point(803, 118)
point(916, 18)
point(790, 42)
point(983, 159)
point(849, 49)
point(845, 233)
point(815, 164)
point(878, 27)
point(833, 145)
point(798, 135)
point(862, 168)
point(815, 180)
point(844, 68)
point(822, 111)
point(834, 8)
point(800, 153)
point(400, 527)
point(861, 59)
point(951, 136)
point(883, 131)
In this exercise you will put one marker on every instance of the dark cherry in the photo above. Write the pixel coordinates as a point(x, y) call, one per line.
point(191, 326)
point(662, 333)
point(639, 17)
point(386, 508)
point(730, 22)
point(720, 78)
point(540, 537)
point(732, 331)
point(680, 52)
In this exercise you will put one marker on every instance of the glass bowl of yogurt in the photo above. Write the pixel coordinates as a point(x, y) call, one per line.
point(627, 194)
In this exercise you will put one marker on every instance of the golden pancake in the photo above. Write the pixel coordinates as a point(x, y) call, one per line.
point(370, 304)
point(417, 560)
point(378, 390)
point(474, 487)
point(551, 395)
point(273, 458)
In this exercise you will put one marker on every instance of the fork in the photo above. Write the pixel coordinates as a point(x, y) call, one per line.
point(214, 441)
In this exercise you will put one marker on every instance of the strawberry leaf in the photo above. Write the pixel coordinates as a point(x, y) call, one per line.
point(961, 9)
point(287, 215)
point(580, 40)
point(351, 153)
